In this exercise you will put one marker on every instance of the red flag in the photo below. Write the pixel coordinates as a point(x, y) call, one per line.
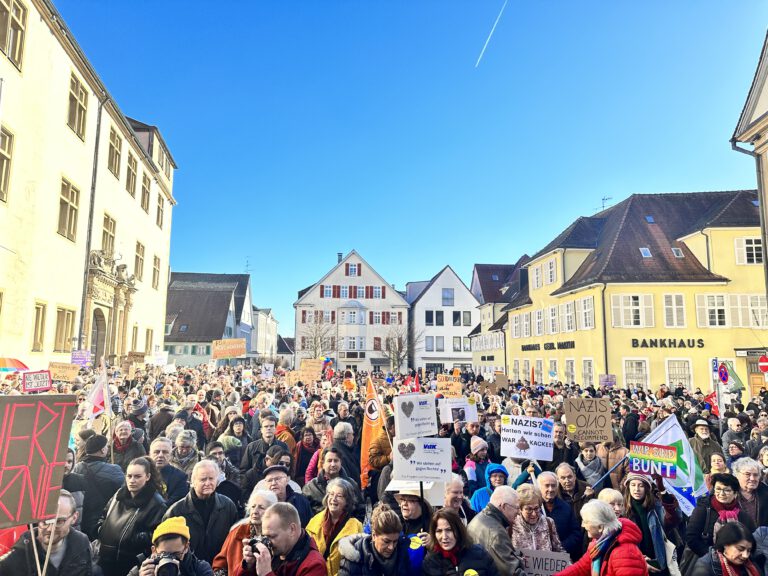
point(712, 401)
point(207, 428)
point(533, 376)
point(416, 387)
point(372, 424)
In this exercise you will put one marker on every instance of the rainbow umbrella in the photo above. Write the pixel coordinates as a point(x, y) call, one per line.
point(12, 365)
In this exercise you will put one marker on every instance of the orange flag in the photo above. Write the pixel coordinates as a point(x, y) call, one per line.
point(372, 424)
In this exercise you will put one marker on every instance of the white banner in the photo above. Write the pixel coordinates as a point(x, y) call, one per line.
point(461, 409)
point(526, 438)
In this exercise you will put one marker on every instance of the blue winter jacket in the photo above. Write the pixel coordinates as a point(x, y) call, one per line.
point(482, 496)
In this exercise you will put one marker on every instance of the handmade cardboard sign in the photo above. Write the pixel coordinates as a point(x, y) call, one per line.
point(421, 459)
point(310, 369)
point(137, 357)
point(449, 386)
point(292, 377)
point(415, 415)
point(544, 563)
point(228, 348)
point(34, 433)
point(653, 459)
point(527, 438)
point(461, 409)
point(63, 372)
point(36, 381)
point(588, 419)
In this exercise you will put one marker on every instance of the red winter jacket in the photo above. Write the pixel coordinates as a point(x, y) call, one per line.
point(623, 559)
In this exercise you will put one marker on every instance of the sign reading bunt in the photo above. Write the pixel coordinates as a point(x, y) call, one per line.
point(449, 386)
point(310, 369)
point(82, 358)
point(653, 459)
point(34, 433)
point(526, 438)
point(415, 415)
point(421, 459)
point(589, 419)
point(36, 381)
point(544, 563)
point(229, 348)
point(63, 372)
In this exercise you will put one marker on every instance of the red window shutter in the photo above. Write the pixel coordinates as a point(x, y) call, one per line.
point(359, 269)
point(317, 316)
point(322, 288)
point(385, 318)
point(383, 292)
point(370, 317)
point(333, 316)
point(336, 290)
point(353, 291)
point(368, 292)
point(303, 318)
point(346, 269)
point(399, 317)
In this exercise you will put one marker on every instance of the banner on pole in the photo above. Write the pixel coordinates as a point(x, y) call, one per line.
point(653, 459)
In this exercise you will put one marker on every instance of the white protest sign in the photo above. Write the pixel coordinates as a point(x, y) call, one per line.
point(415, 415)
point(169, 369)
point(421, 459)
point(159, 359)
point(267, 371)
point(544, 563)
point(523, 437)
point(462, 409)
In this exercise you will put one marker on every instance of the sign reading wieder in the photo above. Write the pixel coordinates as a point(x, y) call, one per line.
point(34, 433)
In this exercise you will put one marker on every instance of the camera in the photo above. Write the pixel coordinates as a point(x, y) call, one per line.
point(166, 564)
point(262, 540)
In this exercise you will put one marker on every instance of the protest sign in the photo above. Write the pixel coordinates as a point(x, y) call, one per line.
point(63, 372)
point(228, 348)
point(292, 377)
point(34, 433)
point(528, 438)
point(267, 371)
point(544, 563)
point(310, 369)
point(132, 372)
point(415, 415)
point(607, 380)
point(159, 359)
point(169, 369)
point(421, 459)
point(588, 419)
point(449, 386)
point(134, 357)
point(36, 381)
point(653, 459)
point(82, 358)
point(461, 409)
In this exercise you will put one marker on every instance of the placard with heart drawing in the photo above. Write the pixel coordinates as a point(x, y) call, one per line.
point(421, 459)
point(415, 415)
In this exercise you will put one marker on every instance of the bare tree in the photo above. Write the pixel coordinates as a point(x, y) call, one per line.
point(316, 339)
point(400, 345)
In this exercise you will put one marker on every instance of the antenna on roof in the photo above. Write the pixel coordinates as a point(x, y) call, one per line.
point(604, 201)
point(247, 264)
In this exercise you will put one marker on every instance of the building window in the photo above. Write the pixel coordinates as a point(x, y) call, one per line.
point(570, 371)
point(376, 317)
point(758, 311)
point(130, 179)
point(539, 372)
point(587, 372)
point(108, 235)
point(536, 279)
point(526, 325)
point(377, 292)
point(439, 344)
point(438, 318)
point(377, 343)
point(456, 318)
point(447, 296)
point(516, 370)
point(351, 269)
point(550, 274)
point(553, 321)
point(68, 204)
point(78, 105)
point(587, 315)
point(138, 262)
point(457, 343)
point(135, 339)
point(156, 273)
point(327, 291)
point(674, 311)
point(148, 341)
point(361, 342)
point(711, 310)
point(749, 251)
point(553, 368)
point(13, 21)
point(326, 316)
point(115, 151)
point(645, 252)
point(160, 210)
point(352, 317)
point(344, 292)
point(632, 310)
point(145, 185)
point(677, 252)
point(39, 335)
point(467, 318)
point(526, 370)
point(538, 325)
point(679, 372)
point(467, 345)
point(429, 344)
point(569, 318)
point(429, 318)
point(516, 326)
point(65, 329)
point(6, 151)
point(636, 374)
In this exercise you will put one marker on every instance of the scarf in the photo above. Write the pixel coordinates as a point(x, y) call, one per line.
point(728, 570)
point(449, 555)
point(185, 460)
point(592, 471)
point(600, 550)
point(121, 447)
point(331, 530)
point(726, 512)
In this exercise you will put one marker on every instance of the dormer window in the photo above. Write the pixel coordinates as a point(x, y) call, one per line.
point(677, 252)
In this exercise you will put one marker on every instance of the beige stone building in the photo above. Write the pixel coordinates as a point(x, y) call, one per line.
point(86, 196)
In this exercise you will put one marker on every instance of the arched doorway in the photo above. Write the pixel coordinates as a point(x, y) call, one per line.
point(98, 335)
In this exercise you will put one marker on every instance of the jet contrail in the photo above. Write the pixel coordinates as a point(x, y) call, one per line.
point(491, 34)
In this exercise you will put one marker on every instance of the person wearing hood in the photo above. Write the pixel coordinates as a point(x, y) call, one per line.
point(735, 551)
point(303, 452)
point(495, 475)
point(476, 464)
point(613, 550)
point(703, 445)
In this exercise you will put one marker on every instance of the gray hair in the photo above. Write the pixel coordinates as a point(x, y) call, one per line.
point(543, 475)
point(206, 463)
point(187, 437)
point(161, 440)
point(350, 497)
point(598, 513)
point(503, 494)
point(564, 466)
point(745, 465)
point(266, 495)
point(286, 416)
point(341, 430)
point(455, 479)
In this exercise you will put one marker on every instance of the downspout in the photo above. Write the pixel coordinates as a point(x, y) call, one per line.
point(91, 210)
point(706, 240)
point(605, 330)
point(759, 167)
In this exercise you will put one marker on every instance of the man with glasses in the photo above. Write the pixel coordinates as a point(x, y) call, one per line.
point(229, 476)
point(735, 432)
point(70, 548)
point(276, 477)
point(490, 527)
point(753, 497)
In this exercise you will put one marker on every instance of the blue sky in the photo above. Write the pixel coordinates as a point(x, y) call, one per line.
point(307, 128)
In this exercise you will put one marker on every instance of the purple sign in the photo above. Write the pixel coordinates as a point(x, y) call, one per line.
point(82, 358)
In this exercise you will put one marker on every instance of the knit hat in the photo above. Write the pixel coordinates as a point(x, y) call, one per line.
point(477, 444)
point(632, 476)
point(139, 407)
point(739, 444)
point(176, 525)
point(85, 433)
point(181, 415)
point(95, 443)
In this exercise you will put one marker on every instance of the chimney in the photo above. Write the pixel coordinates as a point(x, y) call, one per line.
point(339, 256)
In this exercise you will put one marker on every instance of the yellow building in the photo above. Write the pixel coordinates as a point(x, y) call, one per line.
point(650, 291)
point(85, 202)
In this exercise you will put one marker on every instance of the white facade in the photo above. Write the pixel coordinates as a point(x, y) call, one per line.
point(264, 335)
point(350, 315)
point(442, 316)
point(65, 141)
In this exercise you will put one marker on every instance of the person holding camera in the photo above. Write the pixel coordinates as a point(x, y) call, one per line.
point(285, 549)
point(171, 555)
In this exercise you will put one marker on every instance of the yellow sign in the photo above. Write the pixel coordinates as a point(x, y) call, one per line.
point(292, 377)
point(449, 386)
point(229, 348)
point(63, 372)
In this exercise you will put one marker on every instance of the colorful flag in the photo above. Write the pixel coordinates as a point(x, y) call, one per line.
point(372, 424)
point(207, 428)
point(99, 397)
point(689, 483)
point(713, 402)
point(734, 382)
point(533, 376)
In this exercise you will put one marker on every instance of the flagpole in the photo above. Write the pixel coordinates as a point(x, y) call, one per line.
point(604, 476)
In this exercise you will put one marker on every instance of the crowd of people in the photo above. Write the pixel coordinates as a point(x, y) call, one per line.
point(210, 473)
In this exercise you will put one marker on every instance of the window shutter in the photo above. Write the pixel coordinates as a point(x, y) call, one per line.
point(669, 311)
point(733, 304)
point(368, 292)
point(346, 269)
point(317, 316)
point(616, 311)
point(333, 316)
point(383, 292)
point(353, 291)
point(701, 311)
point(648, 310)
point(370, 317)
point(579, 315)
point(400, 318)
point(385, 317)
point(303, 316)
point(322, 288)
point(336, 290)
point(741, 251)
point(359, 269)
